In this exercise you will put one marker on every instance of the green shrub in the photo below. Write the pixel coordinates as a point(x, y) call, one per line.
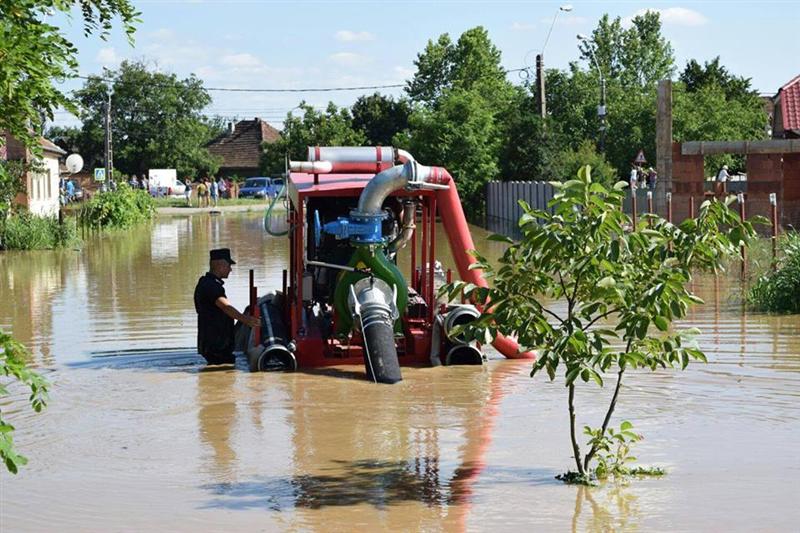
point(23, 231)
point(779, 291)
point(122, 208)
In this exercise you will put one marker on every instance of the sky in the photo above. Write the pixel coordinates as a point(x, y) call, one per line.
point(263, 44)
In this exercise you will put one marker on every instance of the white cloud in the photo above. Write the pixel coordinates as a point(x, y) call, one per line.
point(675, 16)
point(522, 26)
point(349, 59)
point(107, 57)
point(404, 73)
point(351, 36)
point(240, 61)
point(566, 20)
point(162, 34)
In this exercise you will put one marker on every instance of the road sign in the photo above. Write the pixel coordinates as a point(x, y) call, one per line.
point(99, 174)
point(640, 158)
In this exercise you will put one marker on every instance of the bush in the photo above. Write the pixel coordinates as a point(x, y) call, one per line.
point(122, 208)
point(779, 291)
point(572, 160)
point(24, 231)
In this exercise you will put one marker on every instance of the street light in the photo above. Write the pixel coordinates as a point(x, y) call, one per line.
point(540, 63)
point(601, 109)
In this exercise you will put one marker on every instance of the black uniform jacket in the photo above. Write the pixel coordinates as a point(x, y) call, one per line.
point(214, 328)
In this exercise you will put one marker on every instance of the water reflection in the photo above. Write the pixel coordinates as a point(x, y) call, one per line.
point(618, 509)
point(135, 425)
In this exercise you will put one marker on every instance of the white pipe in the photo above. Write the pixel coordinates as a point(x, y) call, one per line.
point(352, 154)
point(313, 167)
point(403, 156)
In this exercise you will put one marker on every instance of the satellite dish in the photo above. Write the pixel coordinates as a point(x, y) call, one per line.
point(74, 163)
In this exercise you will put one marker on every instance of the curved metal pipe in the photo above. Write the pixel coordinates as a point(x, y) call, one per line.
point(408, 226)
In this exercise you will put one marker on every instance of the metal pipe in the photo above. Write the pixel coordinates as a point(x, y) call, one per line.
point(741, 199)
point(773, 200)
point(407, 228)
point(431, 299)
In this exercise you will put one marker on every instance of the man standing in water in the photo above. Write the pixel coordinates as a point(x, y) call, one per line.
point(215, 314)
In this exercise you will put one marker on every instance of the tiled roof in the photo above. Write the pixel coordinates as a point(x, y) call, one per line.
point(49, 146)
point(790, 105)
point(242, 148)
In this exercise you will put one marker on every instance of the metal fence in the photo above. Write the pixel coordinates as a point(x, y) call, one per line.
point(502, 208)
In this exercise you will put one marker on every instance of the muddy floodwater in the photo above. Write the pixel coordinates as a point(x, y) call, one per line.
point(138, 437)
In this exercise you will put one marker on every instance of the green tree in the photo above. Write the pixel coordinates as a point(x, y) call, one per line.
point(696, 77)
point(472, 63)
point(380, 117)
point(531, 144)
point(462, 134)
point(638, 57)
point(156, 119)
point(623, 289)
point(333, 127)
point(707, 114)
point(33, 56)
point(571, 160)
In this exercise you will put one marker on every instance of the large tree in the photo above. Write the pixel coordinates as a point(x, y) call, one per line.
point(461, 102)
point(380, 117)
point(156, 120)
point(34, 54)
point(332, 127)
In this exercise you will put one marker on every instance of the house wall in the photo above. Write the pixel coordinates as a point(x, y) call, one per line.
point(42, 197)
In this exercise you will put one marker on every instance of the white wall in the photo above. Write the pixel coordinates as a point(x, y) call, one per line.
point(43, 189)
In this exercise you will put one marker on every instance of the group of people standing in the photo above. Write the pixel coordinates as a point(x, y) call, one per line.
point(209, 191)
point(642, 178)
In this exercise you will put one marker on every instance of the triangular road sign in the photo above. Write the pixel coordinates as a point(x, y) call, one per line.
point(640, 158)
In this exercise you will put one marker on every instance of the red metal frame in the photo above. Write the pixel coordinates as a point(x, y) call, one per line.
point(314, 351)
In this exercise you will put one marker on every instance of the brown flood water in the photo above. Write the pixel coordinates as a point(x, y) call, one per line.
point(138, 437)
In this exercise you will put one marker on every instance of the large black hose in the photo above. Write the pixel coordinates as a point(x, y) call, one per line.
point(272, 352)
point(380, 352)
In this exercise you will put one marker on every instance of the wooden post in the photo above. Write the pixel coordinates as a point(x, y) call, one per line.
point(663, 142)
point(773, 200)
point(740, 197)
point(669, 207)
point(691, 207)
point(650, 202)
point(634, 208)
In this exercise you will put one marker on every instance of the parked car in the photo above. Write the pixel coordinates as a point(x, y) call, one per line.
point(260, 187)
point(176, 188)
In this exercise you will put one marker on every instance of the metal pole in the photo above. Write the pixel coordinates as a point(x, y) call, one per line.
point(601, 111)
point(669, 207)
point(541, 102)
point(650, 202)
point(691, 207)
point(773, 201)
point(108, 141)
point(740, 197)
point(634, 207)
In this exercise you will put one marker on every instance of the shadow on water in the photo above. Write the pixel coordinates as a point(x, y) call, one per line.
point(350, 483)
point(152, 360)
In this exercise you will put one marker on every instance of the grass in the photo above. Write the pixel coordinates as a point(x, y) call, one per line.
point(181, 202)
point(24, 231)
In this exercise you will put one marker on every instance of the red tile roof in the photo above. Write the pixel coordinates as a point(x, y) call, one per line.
point(790, 104)
point(242, 148)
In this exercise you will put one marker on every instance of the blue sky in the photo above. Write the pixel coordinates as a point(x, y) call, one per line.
point(300, 44)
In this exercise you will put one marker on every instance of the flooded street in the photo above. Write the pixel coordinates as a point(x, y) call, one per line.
point(138, 436)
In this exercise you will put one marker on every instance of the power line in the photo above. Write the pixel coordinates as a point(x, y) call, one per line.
point(302, 90)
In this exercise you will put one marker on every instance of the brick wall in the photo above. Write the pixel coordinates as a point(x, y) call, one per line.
point(687, 182)
point(790, 207)
point(764, 176)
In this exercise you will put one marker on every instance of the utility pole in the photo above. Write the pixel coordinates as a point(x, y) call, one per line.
point(109, 152)
point(541, 98)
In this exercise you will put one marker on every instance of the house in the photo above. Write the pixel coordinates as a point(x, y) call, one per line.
point(240, 148)
point(786, 118)
point(40, 194)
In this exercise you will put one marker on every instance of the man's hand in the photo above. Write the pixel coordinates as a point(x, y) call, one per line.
point(251, 321)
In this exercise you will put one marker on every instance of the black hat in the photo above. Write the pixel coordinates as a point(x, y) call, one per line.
point(222, 253)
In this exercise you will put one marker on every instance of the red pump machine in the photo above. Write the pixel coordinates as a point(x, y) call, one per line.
point(344, 300)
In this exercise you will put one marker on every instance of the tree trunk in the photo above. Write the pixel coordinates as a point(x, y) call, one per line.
point(610, 411)
point(575, 449)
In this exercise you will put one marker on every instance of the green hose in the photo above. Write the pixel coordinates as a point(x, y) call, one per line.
point(268, 214)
